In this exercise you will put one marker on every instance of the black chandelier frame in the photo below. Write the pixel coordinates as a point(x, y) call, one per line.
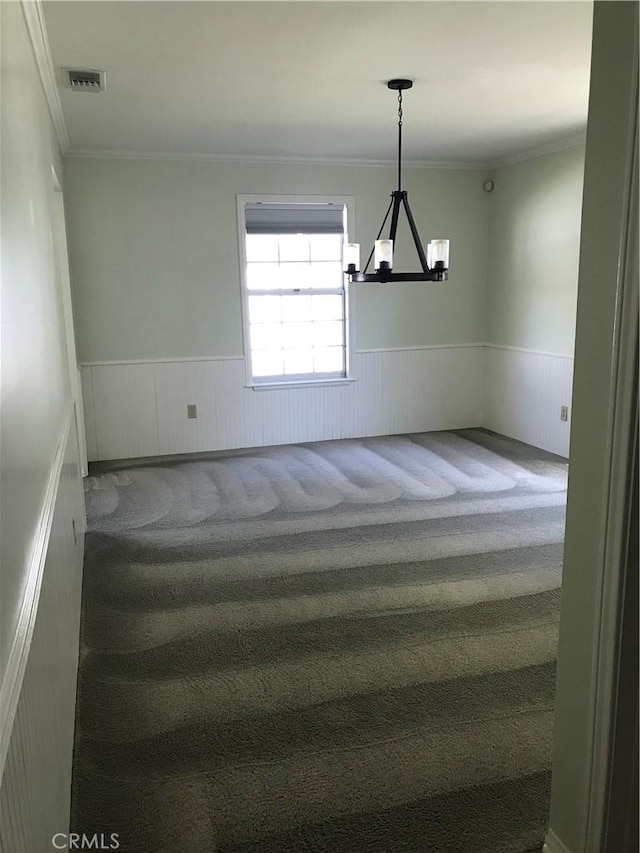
point(399, 199)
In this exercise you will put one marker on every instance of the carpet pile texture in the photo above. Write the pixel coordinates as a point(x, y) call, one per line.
point(341, 647)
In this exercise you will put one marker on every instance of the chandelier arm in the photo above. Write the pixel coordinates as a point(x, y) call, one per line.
point(384, 222)
point(414, 232)
point(397, 201)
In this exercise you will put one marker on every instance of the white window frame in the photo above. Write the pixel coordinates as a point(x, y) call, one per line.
point(295, 380)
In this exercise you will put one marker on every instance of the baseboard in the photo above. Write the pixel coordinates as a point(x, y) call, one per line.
point(19, 654)
point(552, 844)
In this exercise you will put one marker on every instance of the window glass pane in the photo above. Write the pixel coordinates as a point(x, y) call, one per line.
point(262, 247)
point(326, 247)
point(296, 335)
point(263, 276)
point(264, 309)
point(326, 334)
point(328, 360)
point(294, 247)
point(266, 335)
point(295, 275)
point(326, 274)
point(327, 307)
point(267, 362)
point(296, 309)
point(298, 361)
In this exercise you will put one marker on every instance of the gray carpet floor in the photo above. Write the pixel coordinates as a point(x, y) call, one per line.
point(341, 647)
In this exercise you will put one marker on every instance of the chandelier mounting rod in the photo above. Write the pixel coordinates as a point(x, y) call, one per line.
point(399, 85)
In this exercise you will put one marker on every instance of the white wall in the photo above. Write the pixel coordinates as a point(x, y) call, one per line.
point(39, 451)
point(534, 241)
point(156, 282)
point(533, 252)
point(35, 386)
point(157, 294)
point(154, 254)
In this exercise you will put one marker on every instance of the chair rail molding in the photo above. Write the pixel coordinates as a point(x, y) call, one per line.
point(19, 653)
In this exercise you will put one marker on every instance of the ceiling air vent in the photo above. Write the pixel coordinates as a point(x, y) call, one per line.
point(85, 79)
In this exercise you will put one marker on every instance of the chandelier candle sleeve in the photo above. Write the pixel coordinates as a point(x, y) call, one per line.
point(352, 257)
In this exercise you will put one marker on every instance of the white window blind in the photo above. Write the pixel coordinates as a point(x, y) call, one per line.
point(294, 218)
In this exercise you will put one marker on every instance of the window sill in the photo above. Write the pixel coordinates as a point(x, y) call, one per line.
point(304, 383)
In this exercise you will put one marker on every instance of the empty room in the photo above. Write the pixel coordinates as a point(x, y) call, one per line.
point(319, 373)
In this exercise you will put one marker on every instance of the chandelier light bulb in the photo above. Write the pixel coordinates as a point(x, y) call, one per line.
point(438, 254)
point(383, 259)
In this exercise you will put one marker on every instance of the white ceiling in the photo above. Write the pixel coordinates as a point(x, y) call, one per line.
point(307, 79)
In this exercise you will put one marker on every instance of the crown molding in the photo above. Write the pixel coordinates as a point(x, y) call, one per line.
point(111, 154)
point(37, 29)
point(570, 141)
point(529, 154)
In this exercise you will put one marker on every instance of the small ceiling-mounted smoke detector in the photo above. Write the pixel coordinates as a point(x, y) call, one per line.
point(85, 79)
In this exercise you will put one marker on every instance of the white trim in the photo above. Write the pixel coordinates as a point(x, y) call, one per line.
point(161, 360)
point(57, 183)
point(273, 160)
point(418, 347)
point(541, 150)
point(17, 661)
point(265, 159)
point(241, 357)
point(570, 141)
point(307, 383)
point(552, 844)
point(364, 351)
point(530, 351)
point(622, 426)
point(59, 233)
point(348, 204)
point(37, 29)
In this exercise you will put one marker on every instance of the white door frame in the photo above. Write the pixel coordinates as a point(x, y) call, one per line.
point(591, 688)
point(64, 283)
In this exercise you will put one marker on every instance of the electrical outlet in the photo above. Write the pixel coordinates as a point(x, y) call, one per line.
point(564, 413)
point(192, 410)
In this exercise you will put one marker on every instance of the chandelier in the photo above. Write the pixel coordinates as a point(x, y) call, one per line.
point(434, 263)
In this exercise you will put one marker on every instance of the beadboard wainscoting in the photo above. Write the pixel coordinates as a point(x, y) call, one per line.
point(524, 393)
point(39, 687)
point(139, 409)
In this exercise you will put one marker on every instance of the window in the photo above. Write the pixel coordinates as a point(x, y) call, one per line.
point(293, 290)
